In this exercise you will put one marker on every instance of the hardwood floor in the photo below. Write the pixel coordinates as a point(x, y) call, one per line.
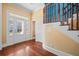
point(1, 53)
point(28, 48)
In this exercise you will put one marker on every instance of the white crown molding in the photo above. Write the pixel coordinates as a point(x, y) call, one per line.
point(15, 15)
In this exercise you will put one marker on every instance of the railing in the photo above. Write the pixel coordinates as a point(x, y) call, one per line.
point(65, 14)
point(68, 12)
point(49, 13)
point(74, 25)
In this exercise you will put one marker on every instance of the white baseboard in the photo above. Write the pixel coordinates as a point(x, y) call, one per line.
point(38, 40)
point(55, 51)
point(17, 42)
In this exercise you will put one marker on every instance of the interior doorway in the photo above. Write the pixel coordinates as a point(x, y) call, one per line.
point(33, 29)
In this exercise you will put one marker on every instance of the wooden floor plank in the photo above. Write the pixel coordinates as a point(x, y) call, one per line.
point(27, 48)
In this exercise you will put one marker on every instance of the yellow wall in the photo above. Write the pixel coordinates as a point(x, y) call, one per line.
point(14, 9)
point(59, 41)
point(37, 14)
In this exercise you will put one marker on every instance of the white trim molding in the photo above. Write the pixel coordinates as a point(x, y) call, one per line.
point(55, 51)
point(19, 16)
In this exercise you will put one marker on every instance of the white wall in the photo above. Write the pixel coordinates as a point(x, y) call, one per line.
point(39, 26)
point(0, 25)
point(39, 30)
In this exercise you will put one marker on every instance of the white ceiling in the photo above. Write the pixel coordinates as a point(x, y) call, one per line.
point(31, 6)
